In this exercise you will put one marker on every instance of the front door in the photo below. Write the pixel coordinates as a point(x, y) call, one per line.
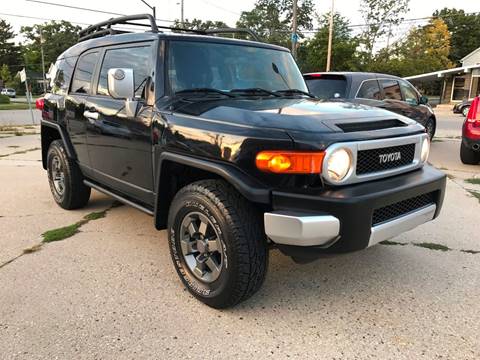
point(120, 148)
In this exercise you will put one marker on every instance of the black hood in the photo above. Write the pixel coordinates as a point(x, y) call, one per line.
point(291, 115)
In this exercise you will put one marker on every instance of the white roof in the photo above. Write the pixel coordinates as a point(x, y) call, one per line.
point(441, 73)
point(467, 56)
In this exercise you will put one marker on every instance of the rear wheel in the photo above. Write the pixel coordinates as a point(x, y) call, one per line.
point(465, 111)
point(468, 156)
point(217, 243)
point(65, 178)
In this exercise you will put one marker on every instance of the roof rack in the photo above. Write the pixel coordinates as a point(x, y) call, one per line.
point(105, 28)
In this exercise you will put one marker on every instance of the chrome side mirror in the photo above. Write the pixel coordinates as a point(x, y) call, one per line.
point(121, 85)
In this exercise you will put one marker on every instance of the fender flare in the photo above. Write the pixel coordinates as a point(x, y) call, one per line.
point(250, 188)
point(63, 136)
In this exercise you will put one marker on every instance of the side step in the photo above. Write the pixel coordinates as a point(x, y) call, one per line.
point(118, 197)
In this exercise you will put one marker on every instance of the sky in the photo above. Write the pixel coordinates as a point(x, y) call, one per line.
point(225, 10)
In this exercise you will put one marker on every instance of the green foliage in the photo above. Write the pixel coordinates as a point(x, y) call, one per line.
point(272, 19)
point(4, 99)
point(5, 74)
point(380, 16)
point(312, 54)
point(425, 49)
point(464, 30)
point(57, 37)
point(9, 52)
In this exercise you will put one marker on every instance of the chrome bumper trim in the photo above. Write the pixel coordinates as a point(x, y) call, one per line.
point(294, 229)
point(402, 224)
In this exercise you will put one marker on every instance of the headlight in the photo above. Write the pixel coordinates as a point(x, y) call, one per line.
point(339, 165)
point(425, 149)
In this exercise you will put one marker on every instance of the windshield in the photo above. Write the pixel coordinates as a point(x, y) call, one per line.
point(195, 65)
point(327, 86)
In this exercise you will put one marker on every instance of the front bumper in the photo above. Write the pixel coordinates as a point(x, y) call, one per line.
point(342, 220)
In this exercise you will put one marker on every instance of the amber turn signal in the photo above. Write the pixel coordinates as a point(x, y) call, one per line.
point(290, 162)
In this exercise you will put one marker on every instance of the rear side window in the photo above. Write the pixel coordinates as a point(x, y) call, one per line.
point(136, 58)
point(327, 86)
point(391, 89)
point(370, 90)
point(82, 78)
point(61, 75)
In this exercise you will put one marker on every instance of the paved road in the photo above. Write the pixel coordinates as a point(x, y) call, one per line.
point(111, 292)
point(19, 117)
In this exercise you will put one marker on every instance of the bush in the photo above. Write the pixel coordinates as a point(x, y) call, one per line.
point(4, 99)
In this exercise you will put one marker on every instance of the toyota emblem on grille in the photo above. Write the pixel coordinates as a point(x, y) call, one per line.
point(386, 158)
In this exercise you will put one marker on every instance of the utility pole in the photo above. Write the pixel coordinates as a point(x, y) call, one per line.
point(43, 61)
point(154, 10)
point(294, 29)
point(330, 38)
point(181, 13)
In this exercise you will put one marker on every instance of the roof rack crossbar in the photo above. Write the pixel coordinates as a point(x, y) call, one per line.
point(232, 31)
point(99, 29)
point(105, 28)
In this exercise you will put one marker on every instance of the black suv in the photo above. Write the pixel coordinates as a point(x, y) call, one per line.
point(380, 90)
point(219, 140)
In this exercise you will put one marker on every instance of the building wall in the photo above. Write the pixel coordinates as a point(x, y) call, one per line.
point(472, 59)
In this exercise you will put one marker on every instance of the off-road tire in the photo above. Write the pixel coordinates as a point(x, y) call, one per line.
point(239, 226)
point(469, 156)
point(431, 127)
point(75, 194)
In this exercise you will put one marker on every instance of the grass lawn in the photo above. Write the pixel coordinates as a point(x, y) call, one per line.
point(15, 106)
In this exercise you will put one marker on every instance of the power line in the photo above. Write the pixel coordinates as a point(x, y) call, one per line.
point(87, 9)
point(221, 8)
point(40, 18)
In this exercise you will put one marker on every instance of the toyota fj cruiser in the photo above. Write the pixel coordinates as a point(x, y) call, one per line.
point(218, 139)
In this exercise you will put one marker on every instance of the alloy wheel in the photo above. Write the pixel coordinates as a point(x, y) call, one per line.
point(58, 175)
point(201, 247)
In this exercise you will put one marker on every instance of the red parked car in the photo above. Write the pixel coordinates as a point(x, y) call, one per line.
point(470, 147)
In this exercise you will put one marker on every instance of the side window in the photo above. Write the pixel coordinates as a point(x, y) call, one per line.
point(409, 93)
point(391, 89)
point(370, 90)
point(136, 58)
point(61, 75)
point(82, 78)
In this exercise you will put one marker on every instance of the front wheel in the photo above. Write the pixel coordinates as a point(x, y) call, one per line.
point(465, 111)
point(217, 243)
point(430, 127)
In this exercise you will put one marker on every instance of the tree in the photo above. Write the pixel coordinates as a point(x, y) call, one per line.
point(425, 49)
point(5, 74)
point(464, 29)
point(197, 24)
point(380, 16)
point(272, 19)
point(312, 54)
point(9, 52)
point(57, 37)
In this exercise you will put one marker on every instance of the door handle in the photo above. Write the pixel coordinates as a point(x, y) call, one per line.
point(90, 115)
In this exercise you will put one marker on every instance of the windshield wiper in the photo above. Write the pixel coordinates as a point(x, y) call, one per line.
point(255, 91)
point(294, 91)
point(205, 91)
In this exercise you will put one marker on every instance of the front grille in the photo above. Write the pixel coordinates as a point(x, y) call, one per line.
point(401, 208)
point(381, 159)
point(370, 125)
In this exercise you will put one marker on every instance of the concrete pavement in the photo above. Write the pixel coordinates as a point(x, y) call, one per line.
point(111, 292)
point(19, 117)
